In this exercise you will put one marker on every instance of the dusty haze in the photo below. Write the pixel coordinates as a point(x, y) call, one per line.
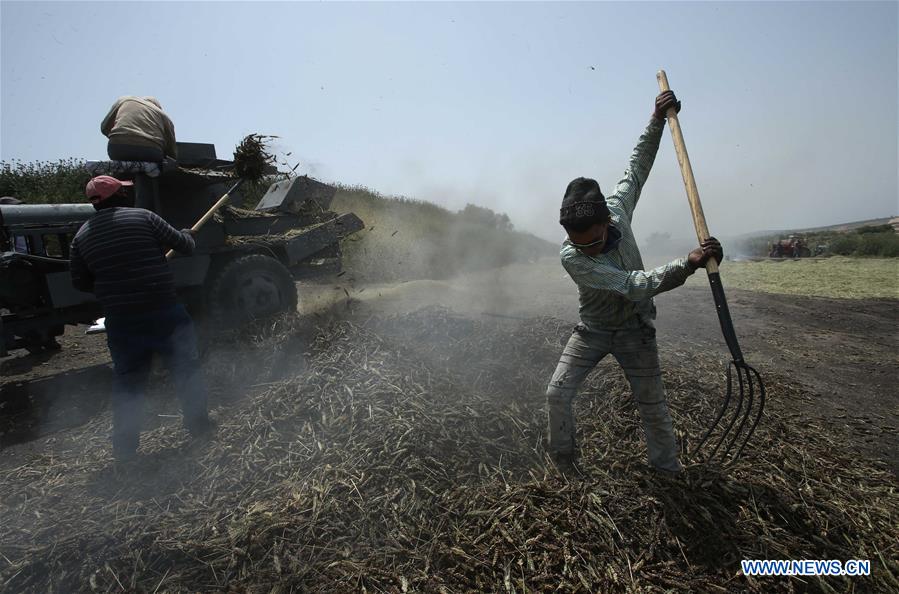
point(790, 109)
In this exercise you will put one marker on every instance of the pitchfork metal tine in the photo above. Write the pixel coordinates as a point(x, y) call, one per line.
point(747, 390)
point(733, 419)
point(743, 369)
point(758, 415)
point(718, 418)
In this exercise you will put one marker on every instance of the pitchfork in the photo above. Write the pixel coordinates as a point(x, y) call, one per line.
point(748, 379)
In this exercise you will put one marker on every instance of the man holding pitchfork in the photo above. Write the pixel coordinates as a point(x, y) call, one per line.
point(616, 306)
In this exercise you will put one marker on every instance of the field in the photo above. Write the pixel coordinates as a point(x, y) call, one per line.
point(388, 437)
point(839, 277)
point(409, 239)
point(873, 238)
point(391, 441)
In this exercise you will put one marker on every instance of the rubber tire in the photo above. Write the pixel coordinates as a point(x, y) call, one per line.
point(250, 287)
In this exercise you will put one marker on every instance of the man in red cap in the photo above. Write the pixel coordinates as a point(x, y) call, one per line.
point(119, 255)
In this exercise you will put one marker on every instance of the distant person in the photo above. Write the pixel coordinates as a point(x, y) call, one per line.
point(138, 130)
point(119, 255)
point(616, 306)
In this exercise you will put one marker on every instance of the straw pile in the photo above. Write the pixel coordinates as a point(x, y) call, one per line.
point(405, 454)
point(251, 159)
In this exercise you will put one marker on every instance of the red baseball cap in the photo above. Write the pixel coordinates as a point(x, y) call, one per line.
point(103, 186)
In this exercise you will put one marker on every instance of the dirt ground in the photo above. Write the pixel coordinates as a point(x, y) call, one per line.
point(846, 352)
point(390, 439)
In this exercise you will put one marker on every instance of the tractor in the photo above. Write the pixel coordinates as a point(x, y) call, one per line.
point(792, 247)
point(244, 266)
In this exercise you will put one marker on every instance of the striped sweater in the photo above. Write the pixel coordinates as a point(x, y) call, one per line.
point(614, 290)
point(119, 255)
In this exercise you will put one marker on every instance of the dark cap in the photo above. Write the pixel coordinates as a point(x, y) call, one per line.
point(583, 204)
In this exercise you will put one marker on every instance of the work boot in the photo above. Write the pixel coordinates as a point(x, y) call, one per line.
point(124, 455)
point(123, 472)
point(671, 472)
point(124, 446)
point(202, 429)
point(566, 461)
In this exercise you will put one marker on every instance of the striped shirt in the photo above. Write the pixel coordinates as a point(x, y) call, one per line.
point(119, 255)
point(614, 290)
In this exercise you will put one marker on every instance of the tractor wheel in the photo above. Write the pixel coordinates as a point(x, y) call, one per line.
point(249, 288)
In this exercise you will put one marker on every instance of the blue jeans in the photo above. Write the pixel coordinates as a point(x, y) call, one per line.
point(133, 339)
point(636, 352)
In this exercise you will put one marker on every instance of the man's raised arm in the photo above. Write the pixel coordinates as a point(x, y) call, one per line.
point(627, 191)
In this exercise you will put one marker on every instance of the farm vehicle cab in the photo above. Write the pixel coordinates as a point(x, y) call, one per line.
point(792, 247)
point(244, 266)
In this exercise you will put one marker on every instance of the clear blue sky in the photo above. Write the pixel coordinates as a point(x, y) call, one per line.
point(790, 109)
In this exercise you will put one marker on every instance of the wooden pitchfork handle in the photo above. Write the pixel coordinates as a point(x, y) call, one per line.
point(221, 202)
point(702, 230)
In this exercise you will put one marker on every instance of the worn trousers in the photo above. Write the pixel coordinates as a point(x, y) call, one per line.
point(636, 352)
point(133, 340)
point(133, 152)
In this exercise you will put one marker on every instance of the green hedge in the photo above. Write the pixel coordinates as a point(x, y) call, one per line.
point(872, 240)
point(404, 238)
point(62, 182)
point(44, 182)
point(884, 244)
point(880, 242)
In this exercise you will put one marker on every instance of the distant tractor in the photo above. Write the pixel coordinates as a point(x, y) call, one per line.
point(792, 247)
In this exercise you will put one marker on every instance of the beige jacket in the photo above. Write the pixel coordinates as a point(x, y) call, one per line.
point(139, 121)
